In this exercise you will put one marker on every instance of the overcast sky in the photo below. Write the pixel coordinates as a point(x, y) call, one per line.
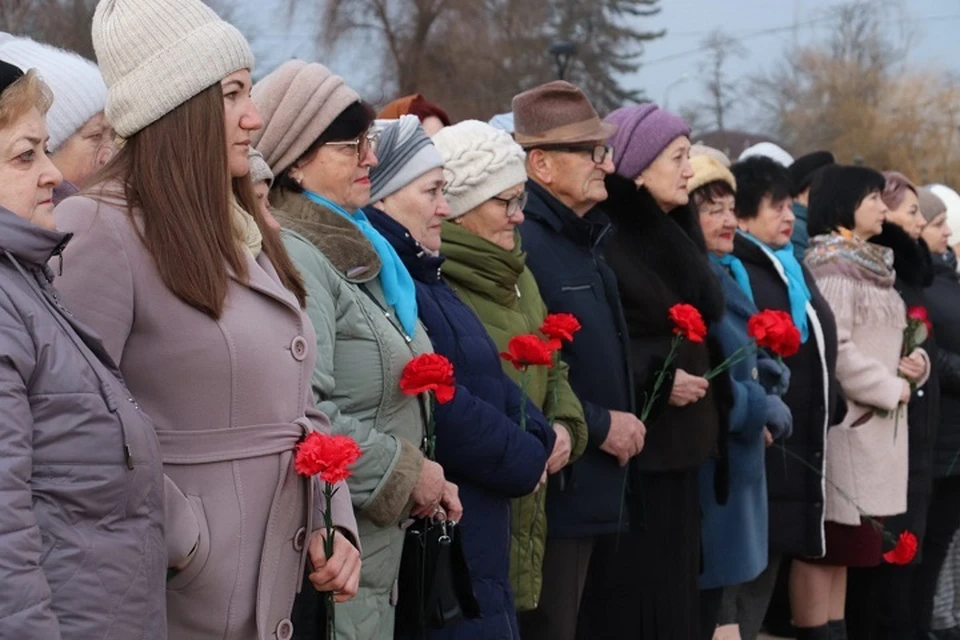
point(935, 25)
point(671, 65)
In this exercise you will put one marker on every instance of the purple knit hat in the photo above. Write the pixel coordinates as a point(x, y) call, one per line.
point(643, 131)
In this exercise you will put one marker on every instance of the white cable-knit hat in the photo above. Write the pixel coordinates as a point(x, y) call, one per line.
point(79, 92)
point(157, 54)
point(480, 162)
point(951, 199)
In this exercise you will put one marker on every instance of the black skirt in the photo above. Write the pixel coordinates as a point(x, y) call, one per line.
point(643, 584)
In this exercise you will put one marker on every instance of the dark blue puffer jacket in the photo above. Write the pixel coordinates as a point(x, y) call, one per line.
point(478, 440)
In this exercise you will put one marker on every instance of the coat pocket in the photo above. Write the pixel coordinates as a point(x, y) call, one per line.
point(578, 286)
point(184, 578)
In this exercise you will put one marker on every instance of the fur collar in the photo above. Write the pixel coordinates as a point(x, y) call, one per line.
point(911, 258)
point(340, 241)
point(670, 245)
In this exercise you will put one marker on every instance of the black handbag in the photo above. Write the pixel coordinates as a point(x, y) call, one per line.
point(434, 585)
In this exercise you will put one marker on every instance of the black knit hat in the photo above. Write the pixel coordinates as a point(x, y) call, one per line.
point(8, 75)
point(803, 169)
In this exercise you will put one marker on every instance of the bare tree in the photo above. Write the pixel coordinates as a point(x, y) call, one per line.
point(723, 91)
point(854, 94)
point(472, 56)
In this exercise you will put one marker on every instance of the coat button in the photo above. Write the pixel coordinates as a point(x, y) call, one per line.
point(920, 393)
point(817, 455)
point(754, 373)
point(299, 539)
point(299, 348)
point(285, 629)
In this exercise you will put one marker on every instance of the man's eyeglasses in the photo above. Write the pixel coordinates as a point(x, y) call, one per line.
point(365, 143)
point(514, 205)
point(598, 152)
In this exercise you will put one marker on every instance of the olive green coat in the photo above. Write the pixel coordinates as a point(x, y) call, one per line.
point(497, 285)
point(361, 353)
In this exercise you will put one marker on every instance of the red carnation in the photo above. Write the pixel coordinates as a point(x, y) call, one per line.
point(429, 372)
point(775, 331)
point(920, 314)
point(689, 322)
point(328, 456)
point(904, 551)
point(528, 350)
point(560, 327)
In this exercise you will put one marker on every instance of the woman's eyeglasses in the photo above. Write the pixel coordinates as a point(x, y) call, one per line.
point(364, 144)
point(514, 205)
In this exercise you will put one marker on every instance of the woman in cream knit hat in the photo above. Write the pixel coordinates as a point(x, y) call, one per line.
point(486, 266)
point(197, 301)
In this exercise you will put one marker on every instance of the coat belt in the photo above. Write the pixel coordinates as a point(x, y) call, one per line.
point(235, 443)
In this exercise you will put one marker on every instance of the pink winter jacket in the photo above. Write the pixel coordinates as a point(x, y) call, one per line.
point(866, 468)
point(229, 399)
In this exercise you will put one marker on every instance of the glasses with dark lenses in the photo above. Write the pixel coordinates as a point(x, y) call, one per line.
point(514, 205)
point(364, 144)
point(598, 152)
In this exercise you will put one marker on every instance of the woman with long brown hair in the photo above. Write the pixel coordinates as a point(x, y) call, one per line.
point(202, 309)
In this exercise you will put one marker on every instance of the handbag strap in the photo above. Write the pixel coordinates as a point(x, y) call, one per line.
point(426, 443)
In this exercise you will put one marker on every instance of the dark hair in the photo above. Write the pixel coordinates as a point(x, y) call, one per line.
point(352, 122)
point(176, 172)
point(711, 192)
point(423, 109)
point(835, 195)
point(759, 177)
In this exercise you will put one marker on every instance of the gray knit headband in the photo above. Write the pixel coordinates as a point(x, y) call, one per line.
point(404, 153)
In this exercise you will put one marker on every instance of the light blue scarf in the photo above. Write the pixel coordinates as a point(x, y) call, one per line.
point(797, 290)
point(732, 264)
point(398, 287)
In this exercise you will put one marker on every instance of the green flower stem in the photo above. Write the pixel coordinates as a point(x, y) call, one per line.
point(328, 492)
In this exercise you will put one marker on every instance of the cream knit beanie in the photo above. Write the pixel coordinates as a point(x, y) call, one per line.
point(259, 170)
point(79, 92)
point(480, 162)
point(157, 54)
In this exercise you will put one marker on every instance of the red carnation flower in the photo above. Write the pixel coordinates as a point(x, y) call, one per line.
point(689, 323)
point(526, 350)
point(560, 327)
point(920, 314)
point(328, 456)
point(904, 551)
point(775, 331)
point(429, 372)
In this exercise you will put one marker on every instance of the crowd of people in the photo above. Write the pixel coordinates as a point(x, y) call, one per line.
point(197, 271)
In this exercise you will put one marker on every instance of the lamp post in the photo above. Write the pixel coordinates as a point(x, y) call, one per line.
point(563, 53)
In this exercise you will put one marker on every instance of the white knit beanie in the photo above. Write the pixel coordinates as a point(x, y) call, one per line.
point(951, 199)
point(79, 92)
point(768, 150)
point(480, 162)
point(157, 54)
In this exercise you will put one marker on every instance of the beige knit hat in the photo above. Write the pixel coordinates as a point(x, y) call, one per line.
point(707, 169)
point(157, 54)
point(297, 102)
point(480, 162)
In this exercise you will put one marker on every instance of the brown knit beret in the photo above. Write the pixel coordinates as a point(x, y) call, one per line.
point(297, 101)
point(557, 113)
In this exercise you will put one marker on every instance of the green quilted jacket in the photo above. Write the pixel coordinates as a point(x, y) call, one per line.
point(497, 285)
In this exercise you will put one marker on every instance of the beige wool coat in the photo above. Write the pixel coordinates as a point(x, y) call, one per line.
point(866, 454)
point(229, 399)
